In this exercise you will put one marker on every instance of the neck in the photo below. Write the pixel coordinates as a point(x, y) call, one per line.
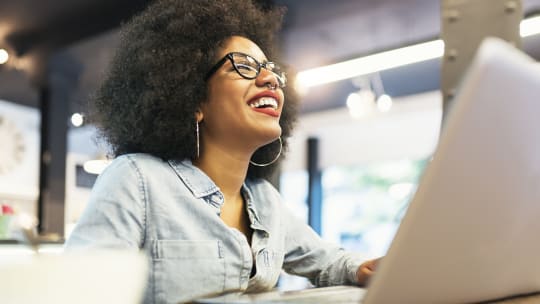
point(227, 170)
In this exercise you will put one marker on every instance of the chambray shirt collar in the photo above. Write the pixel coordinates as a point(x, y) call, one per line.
point(255, 219)
point(203, 187)
point(198, 182)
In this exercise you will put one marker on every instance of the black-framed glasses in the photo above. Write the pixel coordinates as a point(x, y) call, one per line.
point(249, 68)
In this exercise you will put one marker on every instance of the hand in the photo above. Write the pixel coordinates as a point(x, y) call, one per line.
point(366, 270)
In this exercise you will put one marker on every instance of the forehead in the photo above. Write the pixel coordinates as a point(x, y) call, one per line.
point(243, 45)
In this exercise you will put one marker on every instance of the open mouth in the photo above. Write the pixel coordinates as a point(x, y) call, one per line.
point(264, 103)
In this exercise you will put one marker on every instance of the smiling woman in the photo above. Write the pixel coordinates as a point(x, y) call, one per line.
point(239, 115)
point(165, 55)
point(197, 111)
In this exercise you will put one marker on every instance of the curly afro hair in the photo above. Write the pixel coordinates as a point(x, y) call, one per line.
point(156, 80)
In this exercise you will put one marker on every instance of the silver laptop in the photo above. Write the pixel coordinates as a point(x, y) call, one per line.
point(469, 234)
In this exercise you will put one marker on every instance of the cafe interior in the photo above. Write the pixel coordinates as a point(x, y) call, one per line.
point(375, 79)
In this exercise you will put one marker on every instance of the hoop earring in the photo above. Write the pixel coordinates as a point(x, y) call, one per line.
point(272, 161)
point(197, 135)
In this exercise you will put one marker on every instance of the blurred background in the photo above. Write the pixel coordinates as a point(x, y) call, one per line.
point(355, 159)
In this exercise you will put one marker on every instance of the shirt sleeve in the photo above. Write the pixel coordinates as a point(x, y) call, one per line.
point(115, 215)
point(307, 255)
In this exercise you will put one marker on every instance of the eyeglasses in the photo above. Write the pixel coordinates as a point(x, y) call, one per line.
point(249, 68)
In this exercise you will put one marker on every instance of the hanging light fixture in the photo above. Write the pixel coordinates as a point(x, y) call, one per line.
point(4, 56)
point(390, 59)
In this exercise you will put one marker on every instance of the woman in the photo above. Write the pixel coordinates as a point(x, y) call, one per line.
point(197, 115)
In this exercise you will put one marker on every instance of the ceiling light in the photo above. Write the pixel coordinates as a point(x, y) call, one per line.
point(529, 27)
point(4, 56)
point(361, 104)
point(371, 64)
point(384, 103)
point(389, 59)
point(77, 120)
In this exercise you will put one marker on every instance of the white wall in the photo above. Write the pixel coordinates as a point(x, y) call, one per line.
point(19, 186)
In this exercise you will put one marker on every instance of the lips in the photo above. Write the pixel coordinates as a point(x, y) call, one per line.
point(266, 102)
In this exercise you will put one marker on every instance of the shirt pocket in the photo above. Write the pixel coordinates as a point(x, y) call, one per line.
point(185, 270)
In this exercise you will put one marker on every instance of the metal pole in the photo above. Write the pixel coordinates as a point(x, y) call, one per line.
point(314, 199)
point(464, 24)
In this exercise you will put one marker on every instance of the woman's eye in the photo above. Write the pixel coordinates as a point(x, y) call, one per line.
point(244, 67)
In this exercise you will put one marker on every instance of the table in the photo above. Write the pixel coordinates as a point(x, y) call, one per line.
point(334, 295)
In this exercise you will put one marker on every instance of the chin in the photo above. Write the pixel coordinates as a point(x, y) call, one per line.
point(271, 135)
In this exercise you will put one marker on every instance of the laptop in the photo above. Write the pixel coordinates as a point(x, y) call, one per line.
point(469, 234)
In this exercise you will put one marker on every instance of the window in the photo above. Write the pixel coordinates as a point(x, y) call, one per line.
point(363, 204)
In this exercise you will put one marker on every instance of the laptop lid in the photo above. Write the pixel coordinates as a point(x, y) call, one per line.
point(470, 232)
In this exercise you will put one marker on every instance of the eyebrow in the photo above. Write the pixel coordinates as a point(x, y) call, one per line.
point(254, 57)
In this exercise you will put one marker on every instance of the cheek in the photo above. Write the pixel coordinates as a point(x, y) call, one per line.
point(222, 106)
point(227, 96)
point(217, 92)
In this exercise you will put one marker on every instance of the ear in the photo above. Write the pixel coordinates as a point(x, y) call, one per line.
point(199, 115)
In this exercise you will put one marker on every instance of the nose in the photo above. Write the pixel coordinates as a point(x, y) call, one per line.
point(267, 78)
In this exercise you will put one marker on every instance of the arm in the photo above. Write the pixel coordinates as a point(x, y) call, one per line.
point(306, 254)
point(114, 216)
point(366, 270)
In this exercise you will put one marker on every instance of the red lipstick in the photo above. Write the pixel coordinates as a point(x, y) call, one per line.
point(266, 110)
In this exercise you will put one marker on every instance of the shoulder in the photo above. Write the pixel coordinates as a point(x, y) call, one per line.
point(133, 162)
point(129, 168)
point(140, 159)
point(133, 177)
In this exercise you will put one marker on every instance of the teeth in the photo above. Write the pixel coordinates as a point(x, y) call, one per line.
point(265, 101)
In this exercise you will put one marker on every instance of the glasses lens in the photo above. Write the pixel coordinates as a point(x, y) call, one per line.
point(276, 69)
point(246, 65)
point(282, 79)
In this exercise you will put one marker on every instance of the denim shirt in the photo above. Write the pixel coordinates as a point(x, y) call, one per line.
point(170, 210)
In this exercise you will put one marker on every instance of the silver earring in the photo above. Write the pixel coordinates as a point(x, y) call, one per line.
point(273, 160)
point(197, 133)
